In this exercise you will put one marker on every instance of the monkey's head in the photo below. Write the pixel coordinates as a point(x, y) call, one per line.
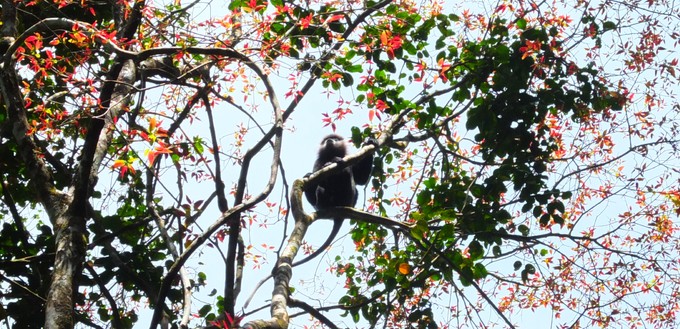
point(332, 146)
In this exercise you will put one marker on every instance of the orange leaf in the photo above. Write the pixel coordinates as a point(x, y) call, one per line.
point(333, 18)
point(152, 124)
point(118, 164)
point(160, 149)
point(383, 37)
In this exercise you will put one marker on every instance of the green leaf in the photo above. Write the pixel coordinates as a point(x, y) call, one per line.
point(203, 311)
point(496, 250)
point(347, 80)
point(354, 69)
point(517, 265)
point(480, 271)
point(523, 229)
point(521, 24)
point(476, 250)
point(609, 25)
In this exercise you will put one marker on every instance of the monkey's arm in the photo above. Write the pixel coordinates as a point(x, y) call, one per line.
point(362, 170)
point(310, 192)
point(337, 223)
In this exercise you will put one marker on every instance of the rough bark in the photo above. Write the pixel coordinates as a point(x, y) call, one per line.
point(70, 227)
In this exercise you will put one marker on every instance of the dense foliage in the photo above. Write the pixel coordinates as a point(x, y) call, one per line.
point(527, 162)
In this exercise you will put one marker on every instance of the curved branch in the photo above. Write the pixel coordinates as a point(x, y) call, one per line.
point(232, 216)
point(314, 312)
point(184, 276)
point(105, 291)
point(219, 184)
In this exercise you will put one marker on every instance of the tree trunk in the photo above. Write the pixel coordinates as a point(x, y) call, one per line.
point(70, 254)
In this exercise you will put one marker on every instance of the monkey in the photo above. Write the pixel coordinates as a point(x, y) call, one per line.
point(338, 189)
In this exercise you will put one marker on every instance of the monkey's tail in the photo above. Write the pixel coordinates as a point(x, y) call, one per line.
point(337, 223)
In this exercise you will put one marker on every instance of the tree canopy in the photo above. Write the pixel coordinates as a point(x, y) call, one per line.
point(153, 158)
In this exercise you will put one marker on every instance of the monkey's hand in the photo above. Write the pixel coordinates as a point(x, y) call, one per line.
point(340, 161)
point(371, 141)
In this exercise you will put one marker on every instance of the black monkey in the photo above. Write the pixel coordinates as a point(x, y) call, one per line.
point(339, 189)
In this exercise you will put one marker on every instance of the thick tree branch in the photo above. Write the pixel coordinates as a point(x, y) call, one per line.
point(38, 172)
point(362, 216)
point(70, 228)
point(283, 271)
